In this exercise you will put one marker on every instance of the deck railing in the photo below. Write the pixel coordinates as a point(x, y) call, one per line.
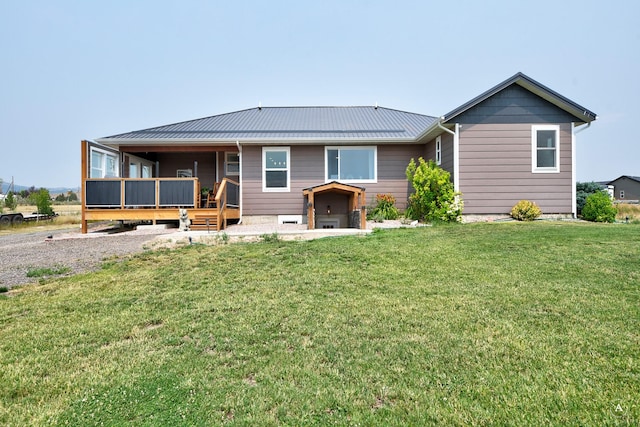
point(226, 197)
point(142, 193)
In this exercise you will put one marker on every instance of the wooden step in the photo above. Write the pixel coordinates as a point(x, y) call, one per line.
point(199, 222)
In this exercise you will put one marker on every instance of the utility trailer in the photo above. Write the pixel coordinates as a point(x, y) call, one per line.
point(7, 219)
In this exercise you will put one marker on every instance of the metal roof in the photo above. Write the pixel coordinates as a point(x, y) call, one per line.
point(634, 178)
point(289, 123)
point(533, 86)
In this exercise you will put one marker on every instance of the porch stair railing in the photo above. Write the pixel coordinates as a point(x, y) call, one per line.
point(225, 201)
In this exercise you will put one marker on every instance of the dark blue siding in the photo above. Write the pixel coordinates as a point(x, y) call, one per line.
point(514, 104)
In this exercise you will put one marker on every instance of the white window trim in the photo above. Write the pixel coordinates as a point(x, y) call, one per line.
point(534, 149)
point(227, 163)
point(439, 150)
point(103, 166)
point(264, 170)
point(346, 147)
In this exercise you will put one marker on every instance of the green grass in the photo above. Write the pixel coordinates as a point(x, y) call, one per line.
point(482, 324)
point(47, 271)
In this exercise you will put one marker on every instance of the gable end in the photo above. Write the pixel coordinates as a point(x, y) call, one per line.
point(514, 104)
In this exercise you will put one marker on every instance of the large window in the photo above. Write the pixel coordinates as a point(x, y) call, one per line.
point(103, 164)
point(545, 148)
point(351, 164)
point(275, 168)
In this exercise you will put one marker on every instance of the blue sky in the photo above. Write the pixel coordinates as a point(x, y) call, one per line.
point(74, 70)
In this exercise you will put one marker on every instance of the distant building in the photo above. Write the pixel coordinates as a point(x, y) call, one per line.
point(626, 189)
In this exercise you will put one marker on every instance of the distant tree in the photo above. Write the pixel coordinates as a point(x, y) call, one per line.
point(584, 190)
point(42, 200)
point(24, 194)
point(61, 198)
point(72, 197)
point(10, 201)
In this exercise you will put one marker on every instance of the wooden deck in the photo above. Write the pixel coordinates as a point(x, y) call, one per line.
point(123, 199)
point(201, 218)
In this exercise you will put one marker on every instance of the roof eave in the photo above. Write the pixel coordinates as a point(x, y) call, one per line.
point(253, 141)
point(431, 132)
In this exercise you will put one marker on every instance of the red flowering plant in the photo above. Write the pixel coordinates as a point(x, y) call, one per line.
point(385, 208)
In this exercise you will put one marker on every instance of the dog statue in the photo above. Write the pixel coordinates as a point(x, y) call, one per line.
point(185, 222)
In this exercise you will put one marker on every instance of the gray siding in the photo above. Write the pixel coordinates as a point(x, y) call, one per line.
point(392, 179)
point(515, 104)
point(447, 152)
point(495, 170)
point(307, 165)
point(307, 170)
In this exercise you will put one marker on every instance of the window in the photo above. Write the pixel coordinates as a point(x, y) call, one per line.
point(622, 194)
point(351, 164)
point(439, 150)
point(545, 148)
point(146, 171)
point(232, 162)
point(184, 173)
point(103, 164)
point(275, 168)
point(133, 170)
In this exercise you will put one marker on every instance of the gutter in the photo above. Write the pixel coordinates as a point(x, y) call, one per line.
point(240, 178)
point(456, 152)
point(581, 129)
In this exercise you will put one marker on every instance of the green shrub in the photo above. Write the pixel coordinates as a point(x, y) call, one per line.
point(385, 208)
point(599, 208)
point(584, 190)
point(434, 197)
point(525, 210)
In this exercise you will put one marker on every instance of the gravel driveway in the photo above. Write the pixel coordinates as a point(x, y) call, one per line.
point(67, 248)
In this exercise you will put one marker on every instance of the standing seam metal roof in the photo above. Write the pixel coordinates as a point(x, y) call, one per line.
point(292, 123)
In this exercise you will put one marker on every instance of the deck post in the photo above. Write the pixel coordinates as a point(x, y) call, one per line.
point(83, 196)
point(311, 217)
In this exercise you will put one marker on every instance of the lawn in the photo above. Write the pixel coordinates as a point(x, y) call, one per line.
point(478, 324)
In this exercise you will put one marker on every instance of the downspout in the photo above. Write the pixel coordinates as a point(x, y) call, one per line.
point(574, 203)
point(240, 178)
point(456, 154)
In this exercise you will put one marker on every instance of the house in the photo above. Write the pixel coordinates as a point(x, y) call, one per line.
point(316, 165)
point(626, 189)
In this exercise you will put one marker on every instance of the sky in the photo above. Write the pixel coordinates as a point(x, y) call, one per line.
point(73, 70)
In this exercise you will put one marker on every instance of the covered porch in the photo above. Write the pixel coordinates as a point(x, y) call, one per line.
point(129, 187)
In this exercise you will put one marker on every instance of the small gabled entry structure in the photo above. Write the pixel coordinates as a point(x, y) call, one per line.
point(348, 201)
